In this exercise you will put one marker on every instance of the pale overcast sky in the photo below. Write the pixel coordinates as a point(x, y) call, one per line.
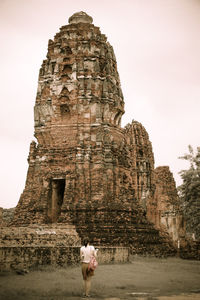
point(157, 47)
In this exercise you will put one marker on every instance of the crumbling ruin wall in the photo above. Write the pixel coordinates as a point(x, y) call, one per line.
point(6, 216)
point(23, 258)
point(27, 247)
point(164, 207)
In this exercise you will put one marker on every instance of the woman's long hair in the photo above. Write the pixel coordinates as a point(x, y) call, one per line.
point(85, 242)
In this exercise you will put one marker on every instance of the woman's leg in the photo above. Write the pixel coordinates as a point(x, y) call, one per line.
point(88, 286)
point(84, 286)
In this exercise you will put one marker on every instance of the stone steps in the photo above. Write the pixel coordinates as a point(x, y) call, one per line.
point(140, 234)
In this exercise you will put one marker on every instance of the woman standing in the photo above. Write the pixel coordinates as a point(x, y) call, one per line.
point(86, 252)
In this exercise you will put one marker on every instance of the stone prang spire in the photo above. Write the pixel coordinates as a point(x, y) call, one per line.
point(78, 88)
point(85, 169)
point(80, 17)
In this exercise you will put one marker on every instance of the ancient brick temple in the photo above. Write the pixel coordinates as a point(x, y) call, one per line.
point(85, 169)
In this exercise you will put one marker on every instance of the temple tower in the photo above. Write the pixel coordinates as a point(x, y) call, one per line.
point(142, 158)
point(84, 168)
point(77, 116)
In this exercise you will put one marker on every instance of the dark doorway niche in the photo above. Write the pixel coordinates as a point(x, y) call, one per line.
point(140, 152)
point(56, 199)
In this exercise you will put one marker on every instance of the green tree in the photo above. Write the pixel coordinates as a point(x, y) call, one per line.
point(189, 192)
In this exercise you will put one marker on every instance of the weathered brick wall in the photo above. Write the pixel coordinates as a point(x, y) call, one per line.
point(44, 236)
point(6, 215)
point(19, 258)
point(164, 206)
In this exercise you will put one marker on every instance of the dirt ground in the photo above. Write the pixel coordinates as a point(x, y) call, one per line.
point(142, 279)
